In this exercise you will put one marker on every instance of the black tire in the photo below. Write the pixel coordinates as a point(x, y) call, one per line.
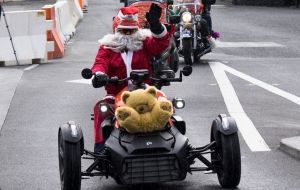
point(195, 55)
point(174, 61)
point(69, 156)
point(226, 158)
point(187, 51)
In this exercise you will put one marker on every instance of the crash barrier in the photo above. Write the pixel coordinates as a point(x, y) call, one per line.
point(81, 3)
point(86, 3)
point(75, 10)
point(64, 22)
point(28, 31)
point(52, 34)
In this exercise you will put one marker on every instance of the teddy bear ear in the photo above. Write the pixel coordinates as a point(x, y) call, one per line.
point(125, 95)
point(151, 90)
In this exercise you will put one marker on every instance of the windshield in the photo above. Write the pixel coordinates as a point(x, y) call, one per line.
point(193, 6)
point(157, 1)
point(186, 2)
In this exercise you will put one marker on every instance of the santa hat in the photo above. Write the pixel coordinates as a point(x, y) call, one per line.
point(127, 18)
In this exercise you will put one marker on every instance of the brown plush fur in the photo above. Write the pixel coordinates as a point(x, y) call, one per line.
point(143, 112)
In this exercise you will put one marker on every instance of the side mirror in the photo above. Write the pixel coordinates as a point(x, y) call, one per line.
point(174, 19)
point(86, 73)
point(187, 70)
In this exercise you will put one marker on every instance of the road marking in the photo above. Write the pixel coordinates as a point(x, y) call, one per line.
point(263, 85)
point(81, 81)
point(31, 67)
point(219, 6)
point(252, 137)
point(246, 44)
point(275, 84)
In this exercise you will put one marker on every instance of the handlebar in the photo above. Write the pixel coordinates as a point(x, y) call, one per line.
point(138, 76)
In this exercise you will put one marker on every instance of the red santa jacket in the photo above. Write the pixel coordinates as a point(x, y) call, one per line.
point(112, 60)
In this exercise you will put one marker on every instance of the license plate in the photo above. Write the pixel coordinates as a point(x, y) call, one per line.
point(186, 34)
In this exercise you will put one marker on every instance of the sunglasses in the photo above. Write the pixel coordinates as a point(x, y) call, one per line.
point(126, 31)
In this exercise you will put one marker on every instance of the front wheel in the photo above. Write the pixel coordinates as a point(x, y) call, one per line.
point(226, 157)
point(187, 50)
point(174, 61)
point(69, 155)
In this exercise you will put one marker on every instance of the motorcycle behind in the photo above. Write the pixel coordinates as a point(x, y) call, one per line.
point(190, 29)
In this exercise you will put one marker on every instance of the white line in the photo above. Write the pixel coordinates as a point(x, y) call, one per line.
point(252, 137)
point(219, 6)
point(246, 44)
point(31, 67)
point(263, 85)
point(81, 81)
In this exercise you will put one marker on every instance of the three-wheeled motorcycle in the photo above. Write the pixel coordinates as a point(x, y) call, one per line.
point(155, 157)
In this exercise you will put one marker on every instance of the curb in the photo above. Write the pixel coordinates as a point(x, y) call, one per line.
point(291, 146)
point(9, 81)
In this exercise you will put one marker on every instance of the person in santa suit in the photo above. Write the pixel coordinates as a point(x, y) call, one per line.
point(128, 48)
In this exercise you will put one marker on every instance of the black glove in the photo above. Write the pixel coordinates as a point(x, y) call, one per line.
point(99, 80)
point(153, 17)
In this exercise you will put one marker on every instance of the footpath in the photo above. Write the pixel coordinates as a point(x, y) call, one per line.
point(11, 75)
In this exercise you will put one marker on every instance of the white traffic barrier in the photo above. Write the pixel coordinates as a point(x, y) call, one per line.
point(28, 30)
point(64, 23)
point(86, 3)
point(75, 10)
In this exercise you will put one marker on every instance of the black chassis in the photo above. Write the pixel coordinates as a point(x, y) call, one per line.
point(153, 157)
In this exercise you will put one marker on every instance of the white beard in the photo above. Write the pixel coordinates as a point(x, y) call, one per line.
point(119, 42)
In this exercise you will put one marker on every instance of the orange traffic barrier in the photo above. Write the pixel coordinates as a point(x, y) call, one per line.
point(81, 3)
point(52, 34)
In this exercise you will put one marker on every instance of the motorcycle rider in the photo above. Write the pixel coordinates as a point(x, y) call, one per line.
point(206, 13)
point(205, 23)
point(127, 49)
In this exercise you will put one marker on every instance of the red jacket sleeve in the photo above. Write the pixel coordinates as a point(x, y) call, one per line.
point(101, 61)
point(156, 44)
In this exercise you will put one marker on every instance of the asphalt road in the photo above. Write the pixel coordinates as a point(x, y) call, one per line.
point(43, 100)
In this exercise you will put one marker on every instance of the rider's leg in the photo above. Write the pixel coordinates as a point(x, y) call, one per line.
point(207, 18)
point(98, 119)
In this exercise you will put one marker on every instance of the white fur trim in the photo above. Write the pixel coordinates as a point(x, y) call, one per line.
point(116, 42)
point(161, 35)
point(145, 33)
point(127, 27)
point(127, 17)
point(99, 72)
point(127, 58)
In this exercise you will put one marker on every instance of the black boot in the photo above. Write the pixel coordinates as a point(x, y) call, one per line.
point(204, 48)
point(99, 147)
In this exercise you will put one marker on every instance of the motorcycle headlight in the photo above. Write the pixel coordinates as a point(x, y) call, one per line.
point(186, 17)
point(103, 107)
point(178, 103)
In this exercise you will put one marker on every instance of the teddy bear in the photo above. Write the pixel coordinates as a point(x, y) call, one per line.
point(143, 112)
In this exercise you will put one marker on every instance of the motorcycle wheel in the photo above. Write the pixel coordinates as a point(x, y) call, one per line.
point(226, 157)
point(69, 156)
point(195, 55)
point(187, 51)
point(174, 61)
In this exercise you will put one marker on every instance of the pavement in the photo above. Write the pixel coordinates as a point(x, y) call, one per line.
point(10, 77)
